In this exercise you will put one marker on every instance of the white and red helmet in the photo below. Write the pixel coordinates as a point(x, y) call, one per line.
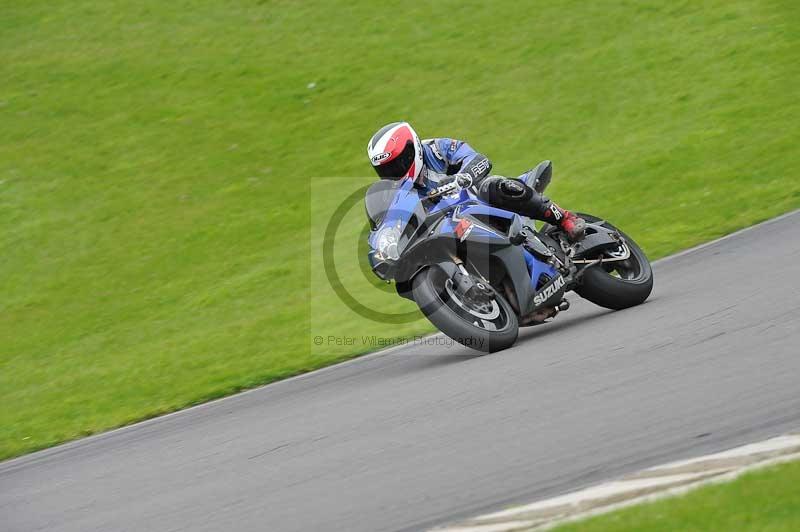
point(396, 151)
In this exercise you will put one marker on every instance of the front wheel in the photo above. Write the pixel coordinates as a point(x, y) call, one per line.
point(617, 284)
point(487, 324)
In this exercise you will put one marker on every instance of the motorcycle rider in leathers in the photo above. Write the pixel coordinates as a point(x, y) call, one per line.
point(396, 152)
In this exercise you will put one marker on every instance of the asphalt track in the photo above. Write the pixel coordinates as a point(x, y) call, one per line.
point(418, 436)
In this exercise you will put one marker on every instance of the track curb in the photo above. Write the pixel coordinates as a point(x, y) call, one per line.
point(655, 483)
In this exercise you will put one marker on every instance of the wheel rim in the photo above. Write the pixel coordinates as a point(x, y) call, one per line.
point(630, 270)
point(627, 270)
point(487, 310)
point(489, 315)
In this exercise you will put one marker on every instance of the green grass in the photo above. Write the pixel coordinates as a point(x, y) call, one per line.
point(155, 161)
point(765, 500)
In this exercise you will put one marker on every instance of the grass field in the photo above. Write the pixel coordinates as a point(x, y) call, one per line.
point(766, 500)
point(155, 161)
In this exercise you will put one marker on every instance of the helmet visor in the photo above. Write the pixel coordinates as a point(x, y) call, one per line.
point(398, 167)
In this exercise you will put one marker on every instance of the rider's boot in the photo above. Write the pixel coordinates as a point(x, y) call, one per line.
point(574, 226)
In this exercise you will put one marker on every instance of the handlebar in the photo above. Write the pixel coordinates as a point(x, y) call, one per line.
point(459, 182)
point(444, 189)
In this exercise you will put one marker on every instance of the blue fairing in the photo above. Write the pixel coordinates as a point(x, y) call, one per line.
point(449, 202)
point(480, 208)
point(536, 268)
point(405, 200)
point(408, 199)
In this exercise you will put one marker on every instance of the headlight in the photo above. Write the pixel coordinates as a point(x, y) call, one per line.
point(386, 243)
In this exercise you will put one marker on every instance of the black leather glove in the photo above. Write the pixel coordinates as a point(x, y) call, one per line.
point(463, 180)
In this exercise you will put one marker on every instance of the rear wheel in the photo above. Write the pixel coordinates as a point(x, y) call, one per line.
point(486, 324)
point(617, 284)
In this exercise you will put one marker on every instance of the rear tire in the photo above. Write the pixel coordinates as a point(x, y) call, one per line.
point(431, 296)
point(602, 288)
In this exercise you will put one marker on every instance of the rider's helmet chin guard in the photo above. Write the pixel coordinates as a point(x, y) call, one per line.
point(395, 151)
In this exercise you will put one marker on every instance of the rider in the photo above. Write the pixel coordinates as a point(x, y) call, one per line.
point(396, 152)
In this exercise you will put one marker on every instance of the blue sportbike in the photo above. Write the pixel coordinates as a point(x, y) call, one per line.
point(478, 273)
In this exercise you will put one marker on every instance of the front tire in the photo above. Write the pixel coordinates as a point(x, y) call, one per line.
point(617, 285)
point(488, 330)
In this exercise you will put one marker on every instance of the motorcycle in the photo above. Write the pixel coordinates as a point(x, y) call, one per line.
point(478, 272)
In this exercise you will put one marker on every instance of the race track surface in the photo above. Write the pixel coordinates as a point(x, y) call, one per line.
point(418, 436)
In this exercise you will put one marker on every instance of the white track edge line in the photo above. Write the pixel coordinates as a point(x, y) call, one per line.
point(517, 515)
point(677, 490)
